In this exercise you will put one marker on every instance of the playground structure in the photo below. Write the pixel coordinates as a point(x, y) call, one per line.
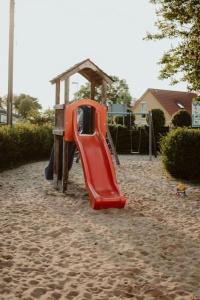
point(96, 160)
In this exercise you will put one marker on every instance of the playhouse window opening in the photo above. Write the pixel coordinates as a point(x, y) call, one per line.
point(86, 120)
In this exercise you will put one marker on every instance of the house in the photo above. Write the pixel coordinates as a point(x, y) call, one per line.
point(3, 117)
point(170, 102)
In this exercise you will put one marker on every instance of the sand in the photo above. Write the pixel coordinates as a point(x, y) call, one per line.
point(54, 246)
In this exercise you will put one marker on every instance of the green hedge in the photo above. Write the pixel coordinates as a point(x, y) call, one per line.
point(180, 151)
point(24, 143)
point(136, 139)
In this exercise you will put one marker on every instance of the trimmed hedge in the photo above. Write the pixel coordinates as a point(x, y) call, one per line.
point(27, 142)
point(180, 151)
point(136, 139)
point(182, 119)
point(24, 143)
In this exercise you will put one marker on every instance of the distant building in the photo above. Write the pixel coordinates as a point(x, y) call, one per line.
point(3, 117)
point(170, 102)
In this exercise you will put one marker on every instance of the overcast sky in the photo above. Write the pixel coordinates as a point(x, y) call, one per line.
point(53, 35)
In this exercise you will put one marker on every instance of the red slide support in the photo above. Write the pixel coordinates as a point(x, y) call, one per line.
point(96, 160)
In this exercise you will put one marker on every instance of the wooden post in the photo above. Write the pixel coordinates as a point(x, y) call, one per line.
point(65, 150)
point(10, 64)
point(65, 171)
point(67, 90)
point(56, 157)
point(57, 95)
point(103, 91)
point(92, 90)
point(150, 135)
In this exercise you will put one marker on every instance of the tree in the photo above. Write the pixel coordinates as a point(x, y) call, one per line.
point(181, 119)
point(158, 120)
point(117, 92)
point(24, 104)
point(180, 20)
point(3, 102)
point(41, 118)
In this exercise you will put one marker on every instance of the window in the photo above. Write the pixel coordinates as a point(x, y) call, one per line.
point(3, 118)
point(180, 105)
point(143, 109)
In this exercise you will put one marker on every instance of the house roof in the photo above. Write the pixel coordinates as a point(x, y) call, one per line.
point(173, 101)
point(87, 69)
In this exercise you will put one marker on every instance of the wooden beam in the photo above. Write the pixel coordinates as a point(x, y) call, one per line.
point(92, 90)
point(57, 95)
point(59, 106)
point(58, 132)
point(65, 167)
point(67, 82)
point(55, 165)
point(103, 91)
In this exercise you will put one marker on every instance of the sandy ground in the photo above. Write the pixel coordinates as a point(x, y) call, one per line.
point(54, 246)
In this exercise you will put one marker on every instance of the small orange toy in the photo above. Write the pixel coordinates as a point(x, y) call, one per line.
point(181, 190)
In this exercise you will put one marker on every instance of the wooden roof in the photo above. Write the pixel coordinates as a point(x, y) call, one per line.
point(87, 69)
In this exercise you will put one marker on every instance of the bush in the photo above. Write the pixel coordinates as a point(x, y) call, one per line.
point(181, 119)
point(158, 119)
point(24, 143)
point(180, 151)
point(135, 139)
point(41, 118)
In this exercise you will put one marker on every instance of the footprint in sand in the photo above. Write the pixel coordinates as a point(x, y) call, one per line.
point(72, 294)
point(7, 279)
point(73, 274)
point(87, 296)
point(38, 292)
point(55, 296)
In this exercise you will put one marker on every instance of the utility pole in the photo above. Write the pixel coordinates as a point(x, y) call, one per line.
point(10, 64)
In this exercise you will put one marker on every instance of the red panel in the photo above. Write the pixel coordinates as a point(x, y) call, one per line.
point(101, 110)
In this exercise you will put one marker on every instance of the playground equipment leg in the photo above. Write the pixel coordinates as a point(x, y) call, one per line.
point(65, 171)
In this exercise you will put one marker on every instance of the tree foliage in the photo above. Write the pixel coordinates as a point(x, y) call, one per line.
point(117, 92)
point(180, 20)
point(181, 119)
point(41, 118)
point(3, 102)
point(24, 104)
point(180, 150)
point(158, 119)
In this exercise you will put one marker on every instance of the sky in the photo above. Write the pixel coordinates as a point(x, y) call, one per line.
point(53, 35)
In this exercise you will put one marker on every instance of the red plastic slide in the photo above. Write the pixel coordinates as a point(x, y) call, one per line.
point(97, 164)
point(98, 171)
